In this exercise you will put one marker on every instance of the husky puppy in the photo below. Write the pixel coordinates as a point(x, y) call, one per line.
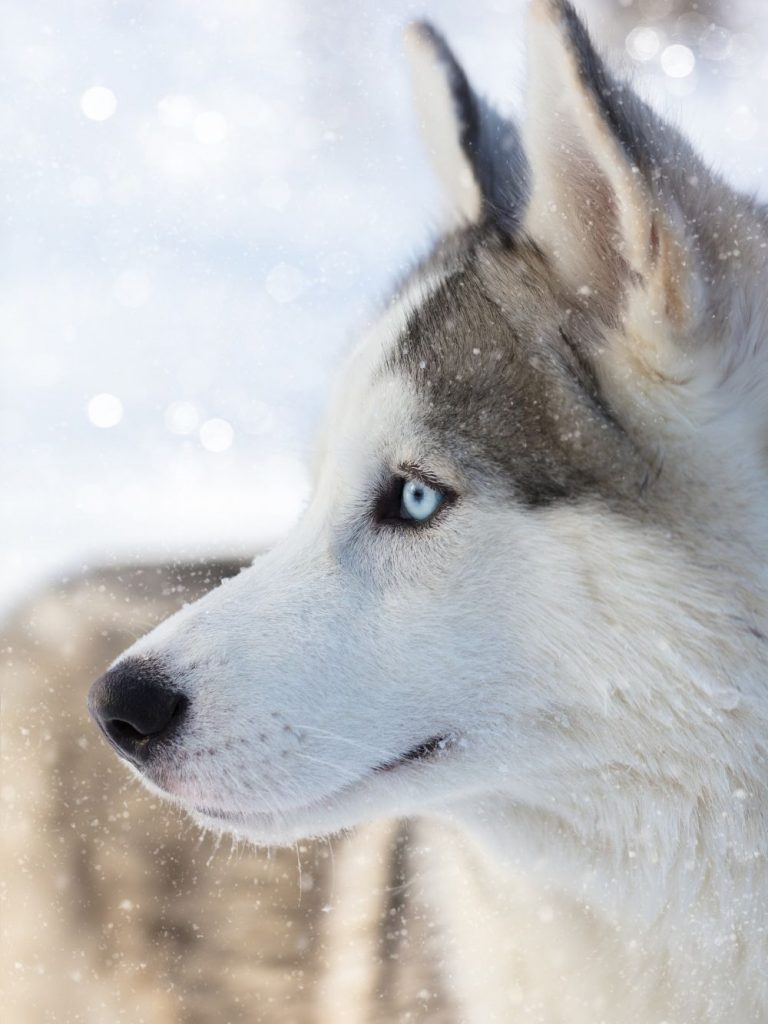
point(528, 596)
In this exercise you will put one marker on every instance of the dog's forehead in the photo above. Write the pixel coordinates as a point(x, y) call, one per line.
point(500, 361)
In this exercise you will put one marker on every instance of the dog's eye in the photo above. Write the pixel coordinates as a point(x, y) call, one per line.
point(419, 501)
point(409, 501)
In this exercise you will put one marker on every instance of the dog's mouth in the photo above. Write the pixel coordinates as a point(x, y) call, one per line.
point(423, 752)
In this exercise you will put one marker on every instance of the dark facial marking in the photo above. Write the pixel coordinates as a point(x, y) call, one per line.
point(505, 372)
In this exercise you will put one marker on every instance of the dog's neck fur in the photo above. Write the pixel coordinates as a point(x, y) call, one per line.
point(682, 927)
point(671, 861)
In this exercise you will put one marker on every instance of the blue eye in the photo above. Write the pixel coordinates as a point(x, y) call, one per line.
point(410, 501)
point(419, 501)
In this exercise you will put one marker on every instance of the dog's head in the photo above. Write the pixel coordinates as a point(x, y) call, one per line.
point(524, 559)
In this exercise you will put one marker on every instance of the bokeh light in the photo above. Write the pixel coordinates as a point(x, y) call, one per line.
point(678, 61)
point(643, 43)
point(98, 103)
point(210, 128)
point(216, 435)
point(182, 418)
point(105, 410)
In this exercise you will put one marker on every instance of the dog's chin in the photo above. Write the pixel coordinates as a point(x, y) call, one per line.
point(387, 789)
point(343, 809)
point(276, 829)
point(372, 796)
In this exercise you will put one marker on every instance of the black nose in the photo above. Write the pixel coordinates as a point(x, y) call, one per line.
point(136, 707)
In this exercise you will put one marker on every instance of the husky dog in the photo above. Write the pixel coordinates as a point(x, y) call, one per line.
point(528, 596)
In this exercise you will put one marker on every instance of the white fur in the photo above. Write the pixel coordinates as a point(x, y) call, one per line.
point(607, 701)
point(601, 680)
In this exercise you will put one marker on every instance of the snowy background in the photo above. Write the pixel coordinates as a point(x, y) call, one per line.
point(204, 199)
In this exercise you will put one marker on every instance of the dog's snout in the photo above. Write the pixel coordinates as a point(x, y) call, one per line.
point(136, 707)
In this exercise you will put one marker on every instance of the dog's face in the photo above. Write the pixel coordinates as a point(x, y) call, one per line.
point(491, 587)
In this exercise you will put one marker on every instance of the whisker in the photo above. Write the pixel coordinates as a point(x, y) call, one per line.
point(389, 754)
point(350, 775)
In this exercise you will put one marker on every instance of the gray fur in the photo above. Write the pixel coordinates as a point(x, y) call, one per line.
point(491, 143)
point(504, 366)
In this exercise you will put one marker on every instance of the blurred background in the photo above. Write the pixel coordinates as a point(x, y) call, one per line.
point(205, 199)
point(204, 202)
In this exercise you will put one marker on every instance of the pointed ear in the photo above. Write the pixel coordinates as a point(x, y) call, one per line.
point(475, 152)
point(603, 203)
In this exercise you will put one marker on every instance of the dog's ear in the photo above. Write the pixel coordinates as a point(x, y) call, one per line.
point(605, 174)
point(475, 151)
